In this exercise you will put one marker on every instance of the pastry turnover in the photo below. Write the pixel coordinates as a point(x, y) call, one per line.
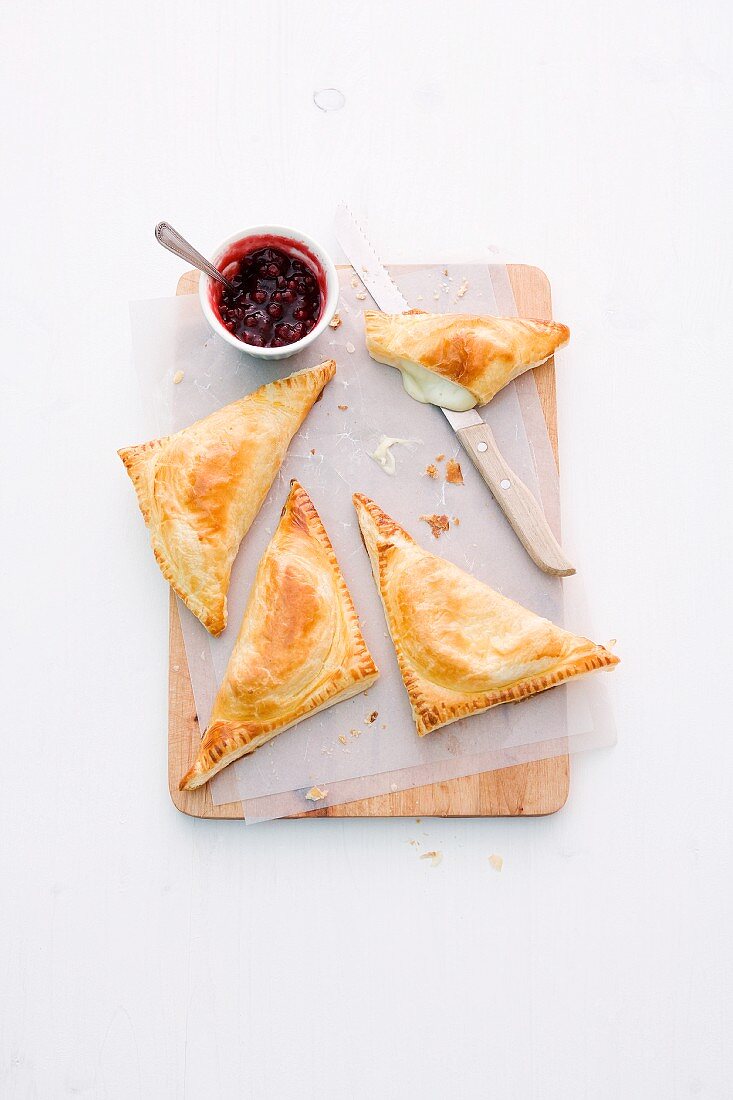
point(478, 354)
point(200, 489)
point(299, 648)
point(461, 646)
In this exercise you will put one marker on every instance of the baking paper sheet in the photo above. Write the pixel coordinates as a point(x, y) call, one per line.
point(340, 749)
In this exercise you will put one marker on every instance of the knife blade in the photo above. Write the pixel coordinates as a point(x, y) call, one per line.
point(514, 498)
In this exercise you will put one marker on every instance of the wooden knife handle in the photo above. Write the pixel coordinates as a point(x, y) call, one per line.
point(515, 500)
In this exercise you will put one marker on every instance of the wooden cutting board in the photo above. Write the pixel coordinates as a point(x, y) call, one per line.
point(526, 789)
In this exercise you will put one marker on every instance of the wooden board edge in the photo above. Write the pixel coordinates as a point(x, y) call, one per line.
point(537, 789)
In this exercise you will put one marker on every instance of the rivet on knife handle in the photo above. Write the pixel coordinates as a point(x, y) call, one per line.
point(516, 501)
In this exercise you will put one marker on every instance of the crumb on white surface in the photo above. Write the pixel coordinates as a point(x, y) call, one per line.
point(462, 289)
point(178, 377)
point(343, 739)
point(315, 794)
point(343, 408)
point(360, 297)
point(434, 857)
point(496, 862)
point(335, 321)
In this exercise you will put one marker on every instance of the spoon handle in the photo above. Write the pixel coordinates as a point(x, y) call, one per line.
point(171, 239)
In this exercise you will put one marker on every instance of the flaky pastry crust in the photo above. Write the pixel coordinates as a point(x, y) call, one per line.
point(200, 489)
point(482, 354)
point(461, 646)
point(299, 648)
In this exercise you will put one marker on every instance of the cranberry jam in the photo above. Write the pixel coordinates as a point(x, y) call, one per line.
point(277, 296)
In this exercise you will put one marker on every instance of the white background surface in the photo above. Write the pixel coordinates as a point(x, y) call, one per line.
point(144, 954)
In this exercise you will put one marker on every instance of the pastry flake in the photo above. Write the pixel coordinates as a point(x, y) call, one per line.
point(479, 354)
point(299, 648)
point(200, 489)
point(461, 646)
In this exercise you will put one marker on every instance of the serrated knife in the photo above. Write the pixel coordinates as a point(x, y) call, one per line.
point(514, 498)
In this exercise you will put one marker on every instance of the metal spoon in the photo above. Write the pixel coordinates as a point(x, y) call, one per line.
point(175, 243)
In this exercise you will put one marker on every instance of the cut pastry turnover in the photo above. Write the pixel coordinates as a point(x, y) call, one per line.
point(200, 489)
point(299, 648)
point(461, 646)
point(458, 360)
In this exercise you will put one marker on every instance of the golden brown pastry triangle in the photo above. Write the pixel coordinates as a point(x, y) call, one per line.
point(481, 354)
point(299, 648)
point(461, 646)
point(200, 489)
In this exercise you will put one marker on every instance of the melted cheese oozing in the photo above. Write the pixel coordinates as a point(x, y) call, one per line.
point(432, 389)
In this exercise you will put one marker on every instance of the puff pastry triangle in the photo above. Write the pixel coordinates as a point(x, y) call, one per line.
point(479, 354)
point(461, 646)
point(299, 648)
point(200, 489)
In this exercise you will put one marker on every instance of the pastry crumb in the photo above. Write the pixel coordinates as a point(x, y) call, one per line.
point(496, 862)
point(355, 280)
point(453, 472)
point(315, 794)
point(462, 289)
point(343, 408)
point(370, 718)
point(414, 843)
point(313, 450)
point(360, 296)
point(335, 321)
point(355, 733)
point(445, 272)
point(350, 348)
point(437, 524)
point(439, 458)
point(418, 821)
point(431, 470)
point(457, 521)
point(434, 857)
point(384, 725)
point(178, 377)
point(343, 739)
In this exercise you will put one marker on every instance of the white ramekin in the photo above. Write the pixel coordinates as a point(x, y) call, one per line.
point(329, 307)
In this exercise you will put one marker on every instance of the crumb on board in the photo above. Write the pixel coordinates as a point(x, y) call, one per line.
point(457, 521)
point(462, 289)
point(439, 458)
point(313, 450)
point(355, 733)
point(418, 820)
point(343, 408)
point(370, 718)
point(315, 794)
point(437, 524)
point(384, 725)
point(360, 297)
point(343, 739)
point(355, 280)
point(453, 472)
point(434, 857)
point(431, 470)
point(335, 321)
point(496, 862)
point(445, 272)
point(415, 843)
point(177, 377)
point(350, 348)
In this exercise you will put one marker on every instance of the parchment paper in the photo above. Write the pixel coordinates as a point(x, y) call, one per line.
point(339, 749)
